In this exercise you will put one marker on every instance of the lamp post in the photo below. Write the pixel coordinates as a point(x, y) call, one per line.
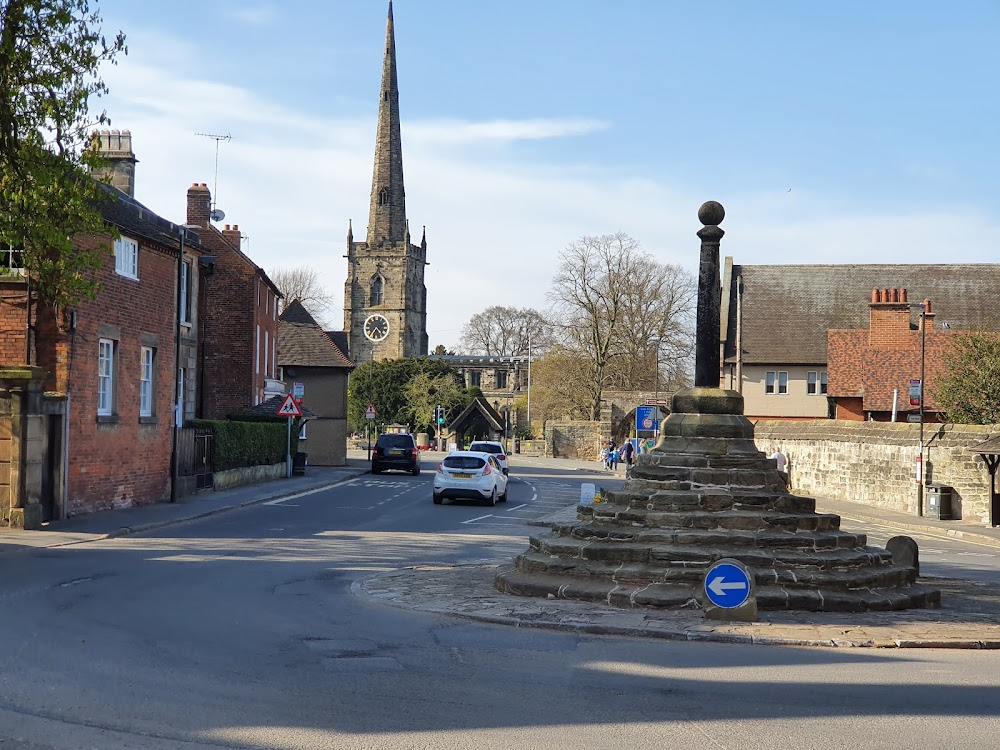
point(922, 306)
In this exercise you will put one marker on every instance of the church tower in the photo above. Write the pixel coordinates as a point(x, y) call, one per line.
point(385, 300)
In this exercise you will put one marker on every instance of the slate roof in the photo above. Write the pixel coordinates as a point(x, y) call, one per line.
point(788, 309)
point(341, 340)
point(302, 342)
point(136, 220)
point(269, 408)
point(481, 405)
point(990, 448)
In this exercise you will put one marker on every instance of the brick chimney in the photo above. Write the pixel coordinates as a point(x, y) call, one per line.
point(199, 204)
point(889, 319)
point(115, 146)
point(928, 316)
point(233, 235)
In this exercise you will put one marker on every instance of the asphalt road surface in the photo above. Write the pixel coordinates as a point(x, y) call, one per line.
point(240, 631)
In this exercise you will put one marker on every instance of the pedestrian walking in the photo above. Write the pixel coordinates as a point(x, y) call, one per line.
point(781, 463)
point(627, 450)
point(605, 457)
point(616, 456)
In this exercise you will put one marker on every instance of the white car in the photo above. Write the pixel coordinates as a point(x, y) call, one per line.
point(470, 474)
point(494, 448)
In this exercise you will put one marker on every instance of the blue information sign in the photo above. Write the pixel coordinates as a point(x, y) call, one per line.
point(645, 419)
point(727, 585)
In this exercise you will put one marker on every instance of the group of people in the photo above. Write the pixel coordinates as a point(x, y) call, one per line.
point(612, 455)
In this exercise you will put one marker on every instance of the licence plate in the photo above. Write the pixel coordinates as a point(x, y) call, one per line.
point(395, 452)
point(462, 476)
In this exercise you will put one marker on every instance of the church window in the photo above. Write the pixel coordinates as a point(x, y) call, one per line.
point(376, 291)
point(501, 379)
point(383, 197)
point(475, 379)
point(385, 95)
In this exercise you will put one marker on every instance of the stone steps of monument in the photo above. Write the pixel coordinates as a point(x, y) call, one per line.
point(669, 554)
point(676, 596)
point(732, 519)
point(693, 573)
point(673, 499)
point(687, 478)
point(598, 531)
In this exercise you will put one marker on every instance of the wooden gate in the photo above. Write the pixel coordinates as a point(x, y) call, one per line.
point(195, 456)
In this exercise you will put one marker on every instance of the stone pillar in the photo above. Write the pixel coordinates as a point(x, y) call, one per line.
point(707, 354)
point(22, 446)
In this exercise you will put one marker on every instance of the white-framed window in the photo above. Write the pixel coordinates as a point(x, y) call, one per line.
point(127, 257)
point(106, 377)
point(782, 382)
point(823, 383)
point(148, 357)
point(769, 379)
point(256, 348)
point(266, 351)
point(302, 431)
point(812, 383)
point(185, 292)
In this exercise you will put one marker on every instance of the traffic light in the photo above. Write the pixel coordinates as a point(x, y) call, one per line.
point(439, 414)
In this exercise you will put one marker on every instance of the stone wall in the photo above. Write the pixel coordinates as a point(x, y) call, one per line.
point(874, 463)
point(574, 439)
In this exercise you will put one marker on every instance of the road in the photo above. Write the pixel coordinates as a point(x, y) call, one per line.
point(240, 631)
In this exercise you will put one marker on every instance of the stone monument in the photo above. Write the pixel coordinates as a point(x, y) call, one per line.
point(705, 493)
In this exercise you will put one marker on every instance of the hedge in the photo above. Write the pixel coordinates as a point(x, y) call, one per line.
point(248, 443)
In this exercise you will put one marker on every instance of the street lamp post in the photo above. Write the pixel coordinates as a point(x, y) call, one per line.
point(922, 306)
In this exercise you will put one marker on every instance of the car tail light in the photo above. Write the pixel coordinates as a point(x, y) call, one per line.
point(487, 471)
point(375, 452)
point(440, 468)
point(501, 457)
point(416, 453)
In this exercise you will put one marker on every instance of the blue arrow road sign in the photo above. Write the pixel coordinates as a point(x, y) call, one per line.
point(727, 585)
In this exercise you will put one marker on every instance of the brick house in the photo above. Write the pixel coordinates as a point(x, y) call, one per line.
point(775, 321)
point(308, 355)
point(111, 367)
point(239, 312)
point(870, 369)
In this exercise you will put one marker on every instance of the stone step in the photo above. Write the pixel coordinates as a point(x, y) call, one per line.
point(673, 554)
point(597, 530)
point(675, 497)
point(693, 574)
point(676, 596)
point(730, 519)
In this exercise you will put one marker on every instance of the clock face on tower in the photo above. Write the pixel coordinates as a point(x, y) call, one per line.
point(376, 328)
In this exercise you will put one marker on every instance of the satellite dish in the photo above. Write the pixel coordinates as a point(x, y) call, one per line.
point(217, 214)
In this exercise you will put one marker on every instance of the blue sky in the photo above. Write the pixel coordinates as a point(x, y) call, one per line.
point(845, 132)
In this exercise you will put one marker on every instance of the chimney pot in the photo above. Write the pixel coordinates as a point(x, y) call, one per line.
point(927, 307)
point(874, 296)
point(236, 227)
point(204, 184)
point(227, 228)
point(902, 295)
point(894, 295)
point(885, 295)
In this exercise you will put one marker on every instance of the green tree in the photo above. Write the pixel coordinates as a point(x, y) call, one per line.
point(50, 53)
point(970, 392)
point(428, 390)
point(385, 384)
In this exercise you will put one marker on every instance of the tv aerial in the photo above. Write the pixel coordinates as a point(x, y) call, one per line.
point(216, 214)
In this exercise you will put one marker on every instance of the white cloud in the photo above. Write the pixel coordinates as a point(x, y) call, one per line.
point(253, 15)
point(495, 227)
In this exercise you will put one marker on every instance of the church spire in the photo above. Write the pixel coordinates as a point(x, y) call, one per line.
point(387, 214)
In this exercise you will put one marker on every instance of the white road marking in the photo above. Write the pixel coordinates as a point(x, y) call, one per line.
point(517, 507)
point(488, 515)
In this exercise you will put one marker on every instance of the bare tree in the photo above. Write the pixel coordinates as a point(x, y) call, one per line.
point(303, 284)
point(613, 301)
point(505, 332)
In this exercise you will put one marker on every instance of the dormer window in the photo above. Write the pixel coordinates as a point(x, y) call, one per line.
point(383, 197)
point(376, 296)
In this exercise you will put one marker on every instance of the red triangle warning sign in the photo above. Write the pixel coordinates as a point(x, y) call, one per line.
point(289, 408)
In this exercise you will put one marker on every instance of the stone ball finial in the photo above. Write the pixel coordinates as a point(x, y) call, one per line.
point(711, 212)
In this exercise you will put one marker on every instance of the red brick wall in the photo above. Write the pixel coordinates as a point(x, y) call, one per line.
point(123, 462)
point(13, 321)
point(230, 316)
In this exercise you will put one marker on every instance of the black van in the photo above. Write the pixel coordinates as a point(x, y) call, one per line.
point(395, 451)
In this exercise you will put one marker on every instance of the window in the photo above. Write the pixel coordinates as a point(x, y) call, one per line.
point(475, 379)
point(822, 383)
point(769, 381)
point(266, 348)
point(186, 292)
point(256, 349)
point(812, 382)
point(179, 406)
point(127, 257)
point(11, 260)
point(376, 291)
point(501, 379)
point(782, 382)
point(146, 381)
point(274, 354)
point(106, 377)
point(302, 431)
point(383, 197)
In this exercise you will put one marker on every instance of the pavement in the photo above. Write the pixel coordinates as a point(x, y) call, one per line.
point(968, 618)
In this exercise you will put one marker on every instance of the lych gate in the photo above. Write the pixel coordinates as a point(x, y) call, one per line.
point(990, 453)
point(478, 421)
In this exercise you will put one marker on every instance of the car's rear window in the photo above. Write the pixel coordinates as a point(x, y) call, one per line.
point(395, 441)
point(464, 462)
point(486, 448)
